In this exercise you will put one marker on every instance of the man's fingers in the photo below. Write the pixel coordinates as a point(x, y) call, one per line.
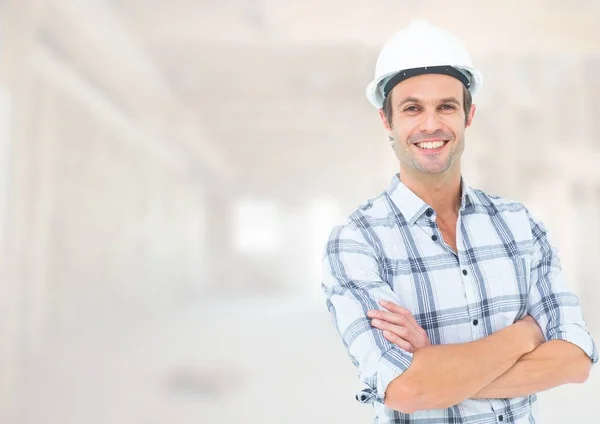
point(404, 320)
point(392, 307)
point(391, 317)
point(410, 319)
point(413, 322)
point(396, 329)
point(398, 341)
point(416, 335)
point(403, 336)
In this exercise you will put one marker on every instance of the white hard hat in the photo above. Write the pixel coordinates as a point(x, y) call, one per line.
point(418, 49)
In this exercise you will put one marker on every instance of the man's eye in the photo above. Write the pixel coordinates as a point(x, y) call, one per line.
point(411, 109)
point(447, 107)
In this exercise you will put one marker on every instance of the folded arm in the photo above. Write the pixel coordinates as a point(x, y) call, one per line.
point(444, 375)
point(552, 364)
point(569, 351)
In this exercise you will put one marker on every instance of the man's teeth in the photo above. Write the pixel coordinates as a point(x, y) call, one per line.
point(431, 144)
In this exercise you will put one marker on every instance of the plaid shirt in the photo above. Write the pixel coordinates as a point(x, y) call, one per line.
point(391, 248)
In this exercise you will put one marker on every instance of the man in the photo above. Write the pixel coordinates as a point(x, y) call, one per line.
point(451, 302)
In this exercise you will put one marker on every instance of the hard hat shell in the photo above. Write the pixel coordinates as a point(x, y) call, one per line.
point(417, 46)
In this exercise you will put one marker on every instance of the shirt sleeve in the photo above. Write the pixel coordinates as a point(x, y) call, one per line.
point(551, 302)
point(353, 284)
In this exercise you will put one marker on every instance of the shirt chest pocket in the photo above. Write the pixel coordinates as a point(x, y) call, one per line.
point(434, 297)
point(505, 284)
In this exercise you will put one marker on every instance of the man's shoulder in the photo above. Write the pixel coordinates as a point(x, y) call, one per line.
point(514, 212)
point(370, 213)
point(494, 201)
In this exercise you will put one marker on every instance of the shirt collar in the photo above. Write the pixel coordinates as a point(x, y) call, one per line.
point(413, 207)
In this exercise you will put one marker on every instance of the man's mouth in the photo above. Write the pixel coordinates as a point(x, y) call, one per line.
point(431, 145)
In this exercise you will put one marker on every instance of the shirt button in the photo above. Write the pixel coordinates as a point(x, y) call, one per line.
point(475, 322)
point(465, 272)
point(434, 237)
point(500, 418)
point(429, 212)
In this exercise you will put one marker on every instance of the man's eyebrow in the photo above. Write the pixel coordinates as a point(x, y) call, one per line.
point(453, 100)
point(450, 100)
point(409, 100)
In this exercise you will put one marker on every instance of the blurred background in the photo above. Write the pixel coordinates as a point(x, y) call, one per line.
point(169, 172)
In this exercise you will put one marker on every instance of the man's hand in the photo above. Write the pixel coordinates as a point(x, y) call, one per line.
point(399, 327)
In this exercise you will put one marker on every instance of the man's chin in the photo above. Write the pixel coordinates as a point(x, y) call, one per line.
point(433, 170)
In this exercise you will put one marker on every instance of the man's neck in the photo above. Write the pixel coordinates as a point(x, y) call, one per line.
point(441, 192)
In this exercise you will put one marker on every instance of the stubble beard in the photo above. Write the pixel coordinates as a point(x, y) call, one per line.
point(408, 160)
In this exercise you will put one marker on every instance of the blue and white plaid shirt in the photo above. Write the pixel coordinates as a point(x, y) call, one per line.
point(391, 248)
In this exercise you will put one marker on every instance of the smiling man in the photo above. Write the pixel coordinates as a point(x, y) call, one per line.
point(452, 303)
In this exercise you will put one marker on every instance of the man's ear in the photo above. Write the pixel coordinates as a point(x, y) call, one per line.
point(470, 116)
point(384, 120)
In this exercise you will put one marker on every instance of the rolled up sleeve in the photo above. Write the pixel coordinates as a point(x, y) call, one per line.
point(352, 285)
point(551, 302)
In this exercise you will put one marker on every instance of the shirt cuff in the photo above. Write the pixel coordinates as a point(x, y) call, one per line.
point(579, 336)
point(392, 364)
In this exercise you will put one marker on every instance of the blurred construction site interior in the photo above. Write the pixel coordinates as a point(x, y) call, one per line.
point(169, 172)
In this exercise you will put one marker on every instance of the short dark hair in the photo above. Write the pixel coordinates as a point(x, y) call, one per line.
point(467, 102)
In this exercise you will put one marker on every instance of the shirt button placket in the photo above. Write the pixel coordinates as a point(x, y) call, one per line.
point(474, 321)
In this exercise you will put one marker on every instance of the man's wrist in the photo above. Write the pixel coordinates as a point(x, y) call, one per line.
point(525, 333)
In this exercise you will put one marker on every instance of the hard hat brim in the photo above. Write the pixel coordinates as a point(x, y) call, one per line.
point(375, 97)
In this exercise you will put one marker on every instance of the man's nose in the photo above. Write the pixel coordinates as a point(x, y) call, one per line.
point(430, 122)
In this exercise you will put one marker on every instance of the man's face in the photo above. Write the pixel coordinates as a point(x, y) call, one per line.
point(428, 123)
